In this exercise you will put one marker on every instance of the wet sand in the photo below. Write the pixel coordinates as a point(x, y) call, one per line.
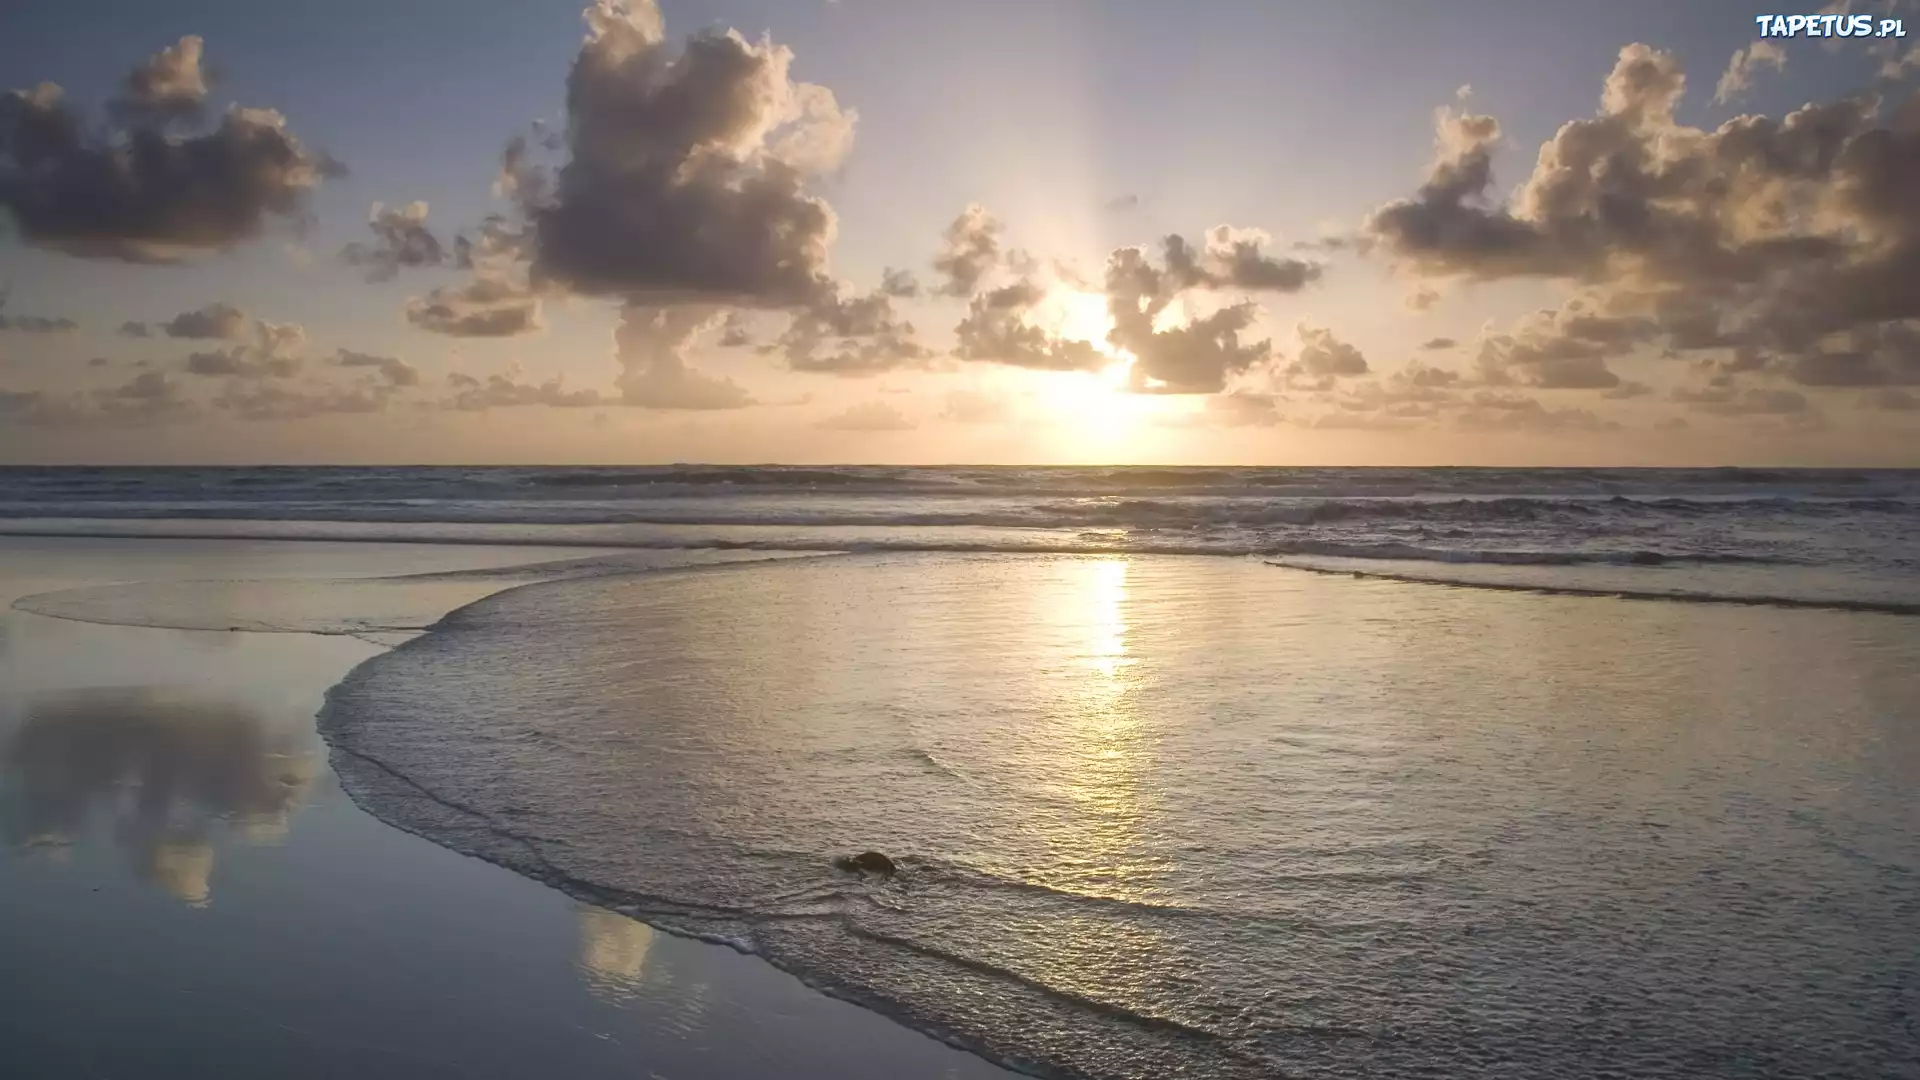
point(185, 891)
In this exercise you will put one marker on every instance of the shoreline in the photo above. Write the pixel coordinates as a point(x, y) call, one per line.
point(807, 1031)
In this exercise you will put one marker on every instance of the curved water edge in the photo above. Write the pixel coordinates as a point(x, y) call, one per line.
point(508, 788)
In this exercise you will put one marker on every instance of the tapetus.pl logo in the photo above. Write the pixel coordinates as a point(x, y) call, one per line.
point(1828, 25)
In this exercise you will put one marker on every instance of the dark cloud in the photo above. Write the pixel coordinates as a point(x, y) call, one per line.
point(507, 391)
point(869, 416)
point(1435, 344)
point(995, 330)
point(970, 252)
point(401, 241)
point(651, 343)
point(686, 169)
point(131, 328)
point(141, 193)
point(33, 324)
point(1122, 204)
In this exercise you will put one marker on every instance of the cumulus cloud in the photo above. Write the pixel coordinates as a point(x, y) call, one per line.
point(135, 191)
point(480, 307)
point(1508, 412)
point(150, 397)
point(851, 335)
point(401, 241)
point(273, 353)
point(1199, 357)
point(1322, 354)
point(1784, 249)
point(168, 86)
point(869, 416)
point(734, 333)
point(970, 252)
point(214, 322)
point(33, 324)
point(686, 169)
point(469, 394)
point(1745, 64)
point(393, 370)
point(651, 344)
point(996, 330)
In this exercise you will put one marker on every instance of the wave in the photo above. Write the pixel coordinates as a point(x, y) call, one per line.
point(1687, 596)
point(1032, 543)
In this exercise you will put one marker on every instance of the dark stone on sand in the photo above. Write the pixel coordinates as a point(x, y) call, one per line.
point(867, 862)
point(1648, 558)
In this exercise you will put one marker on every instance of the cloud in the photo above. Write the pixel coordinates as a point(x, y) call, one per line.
point(1435, 344)
point(215, 322)
point(1322, 354)
point(481, 307)
point(686, 169)
point(859, 335)
point(899, 284)
point(1508, 412)
point(1122, 204)
point(971, 251)
point(1199, 357)
point(507, 391)
point(651, 344)
point(401, 241)
point(734, 333)
point(1893, 399)
point(140, 193)
point(148, 398)
point(251, 399)
point(274, 352)
point(395, 371)
point(995, 330)
point(1729, 401)
point(33, 324)
point(133, 328)
point(1745, 64)
point(171, 85)
point(1788, 245)
point(869, 416)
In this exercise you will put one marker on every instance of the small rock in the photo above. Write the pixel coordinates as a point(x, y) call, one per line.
point(867, 862)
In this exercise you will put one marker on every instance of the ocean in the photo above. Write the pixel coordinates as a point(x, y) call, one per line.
point(1187, 772)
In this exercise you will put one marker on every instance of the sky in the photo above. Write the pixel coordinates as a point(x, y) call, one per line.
point(1009, 231)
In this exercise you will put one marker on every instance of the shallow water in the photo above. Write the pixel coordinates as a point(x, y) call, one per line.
point(186, 893)
point(1164, 816)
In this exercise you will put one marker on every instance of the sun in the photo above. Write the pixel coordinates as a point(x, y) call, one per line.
point(1094, 410)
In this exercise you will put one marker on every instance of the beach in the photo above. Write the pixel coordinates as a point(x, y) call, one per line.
point(1602, 780)
point(185, 891)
